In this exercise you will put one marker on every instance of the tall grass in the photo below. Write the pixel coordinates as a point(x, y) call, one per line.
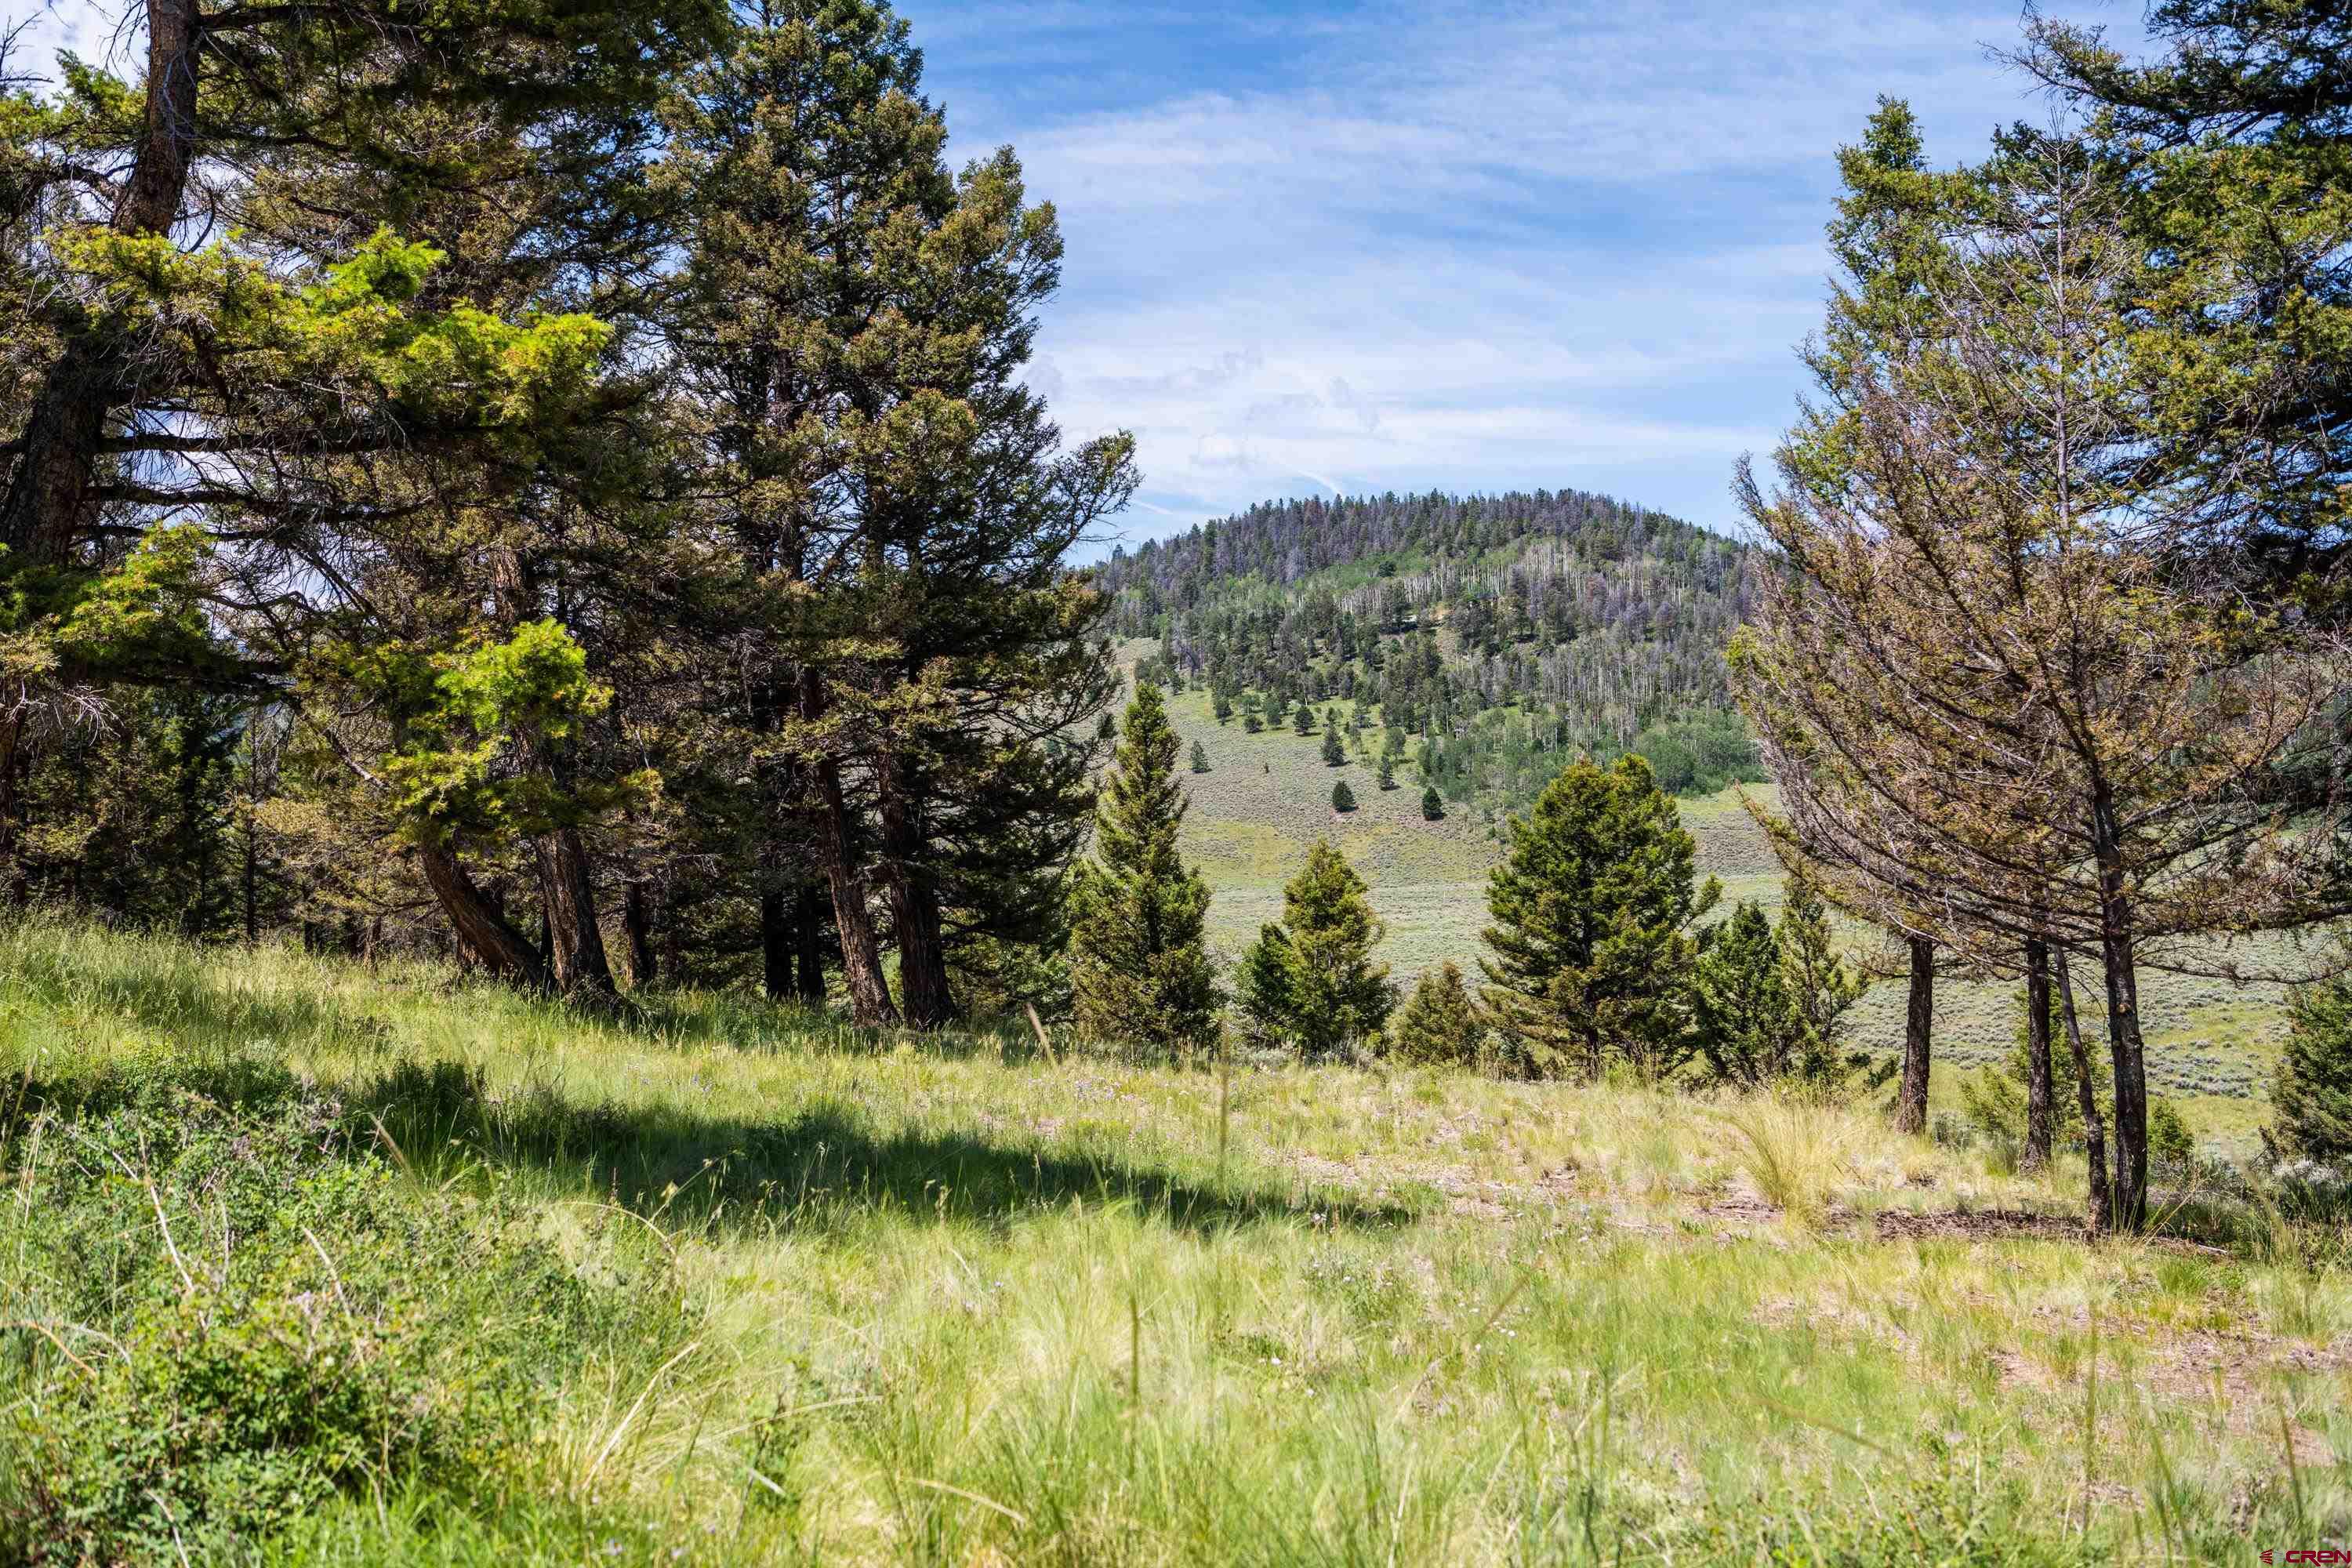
point(940, 1301)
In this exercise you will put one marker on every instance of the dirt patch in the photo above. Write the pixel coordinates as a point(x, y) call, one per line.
point(1978, 1225)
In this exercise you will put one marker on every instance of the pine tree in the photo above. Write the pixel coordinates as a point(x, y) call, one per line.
point(1200, 758)
point(1140, 965)
point(1342, 797)
point(1822, 986)
point(1334, 753)
point(1745, 1022)
point(1107, 728)
point(1439, 1022)
point(1221, 704)
point(1432, 806)
point(1310, 981)
point(2312, 1093)
point(1593, 915)
point(1388, 773)
point(1302, 720)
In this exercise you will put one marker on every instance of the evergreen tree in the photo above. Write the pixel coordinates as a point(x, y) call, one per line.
point(1310, 981)
point(2312, 1092)
point(1221, 704)
point(1334, 753)
point(1592, 913)
point(1200, 758)
point(1432, 806)
point(1388, 773)
point(1342, 797)
point(1439, 1023)
point(1107, 728)
point(1140, 965)
point(1822, 986)
point(1745, 1022)
point(1302, 720)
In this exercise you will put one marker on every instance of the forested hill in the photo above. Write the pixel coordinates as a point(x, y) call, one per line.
point(1484, 639)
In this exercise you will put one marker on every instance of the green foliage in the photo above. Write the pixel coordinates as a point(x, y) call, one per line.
point(1342, 798)
point(320, 1326)
point(1993, 1101)
point(1591, 933)
point(460, 712)
point(1310, 983)
point(1439, 1023)
point(1140, 965)
point(1334, 751)
point(1200, 758)
point(1432, 805)
point(2311, 1094)
point(1768, 1004)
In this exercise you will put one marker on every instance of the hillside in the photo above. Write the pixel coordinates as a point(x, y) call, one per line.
point(410, 1269)
point(1297, 603)
point(1487, 639)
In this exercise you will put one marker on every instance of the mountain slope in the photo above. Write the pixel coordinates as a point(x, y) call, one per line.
point(1489, 639)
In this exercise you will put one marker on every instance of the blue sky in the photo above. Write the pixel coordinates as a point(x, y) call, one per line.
point(1321, 247)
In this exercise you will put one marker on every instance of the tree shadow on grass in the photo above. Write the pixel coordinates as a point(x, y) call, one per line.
point(824, 1168)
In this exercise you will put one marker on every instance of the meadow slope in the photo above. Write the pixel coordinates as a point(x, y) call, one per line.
point(887, 1300)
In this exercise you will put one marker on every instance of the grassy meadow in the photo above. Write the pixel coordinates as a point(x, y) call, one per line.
point(1265, 797)
point(719, 1283)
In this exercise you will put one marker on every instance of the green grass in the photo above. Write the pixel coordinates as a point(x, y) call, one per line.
point(945, 1301)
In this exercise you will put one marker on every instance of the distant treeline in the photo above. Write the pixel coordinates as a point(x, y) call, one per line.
point(1498, 635)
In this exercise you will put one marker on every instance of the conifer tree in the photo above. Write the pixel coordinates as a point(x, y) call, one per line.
point(1334, 753)
point(2312, 1091)
point(1439, 1023)
point(1592, 913)
point(1386, 773)
point(1433, 807)
point(1200, 758)
point(1140, 965)
point(1310, 981)
point(1302, 720)
point(1342, 797)
point(1746, 1023)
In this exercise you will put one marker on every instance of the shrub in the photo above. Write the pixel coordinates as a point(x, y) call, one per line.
point(315, 1325)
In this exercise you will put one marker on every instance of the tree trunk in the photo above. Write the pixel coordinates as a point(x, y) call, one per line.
point(2038, 1109)
point(776, 945)
point(2117, 951)
point(2101, 1215)
point(808, 933)
point(495, 943)
point(637, 919)
point(49, 503)
point(915, 910)
point(1918, 1033)
point(861, 954)
point(576, 957)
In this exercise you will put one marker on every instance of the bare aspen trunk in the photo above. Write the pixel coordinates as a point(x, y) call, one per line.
point(2038, 1106)
point(1918, 1034)
point(480, 927)
point(2101, 1215)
